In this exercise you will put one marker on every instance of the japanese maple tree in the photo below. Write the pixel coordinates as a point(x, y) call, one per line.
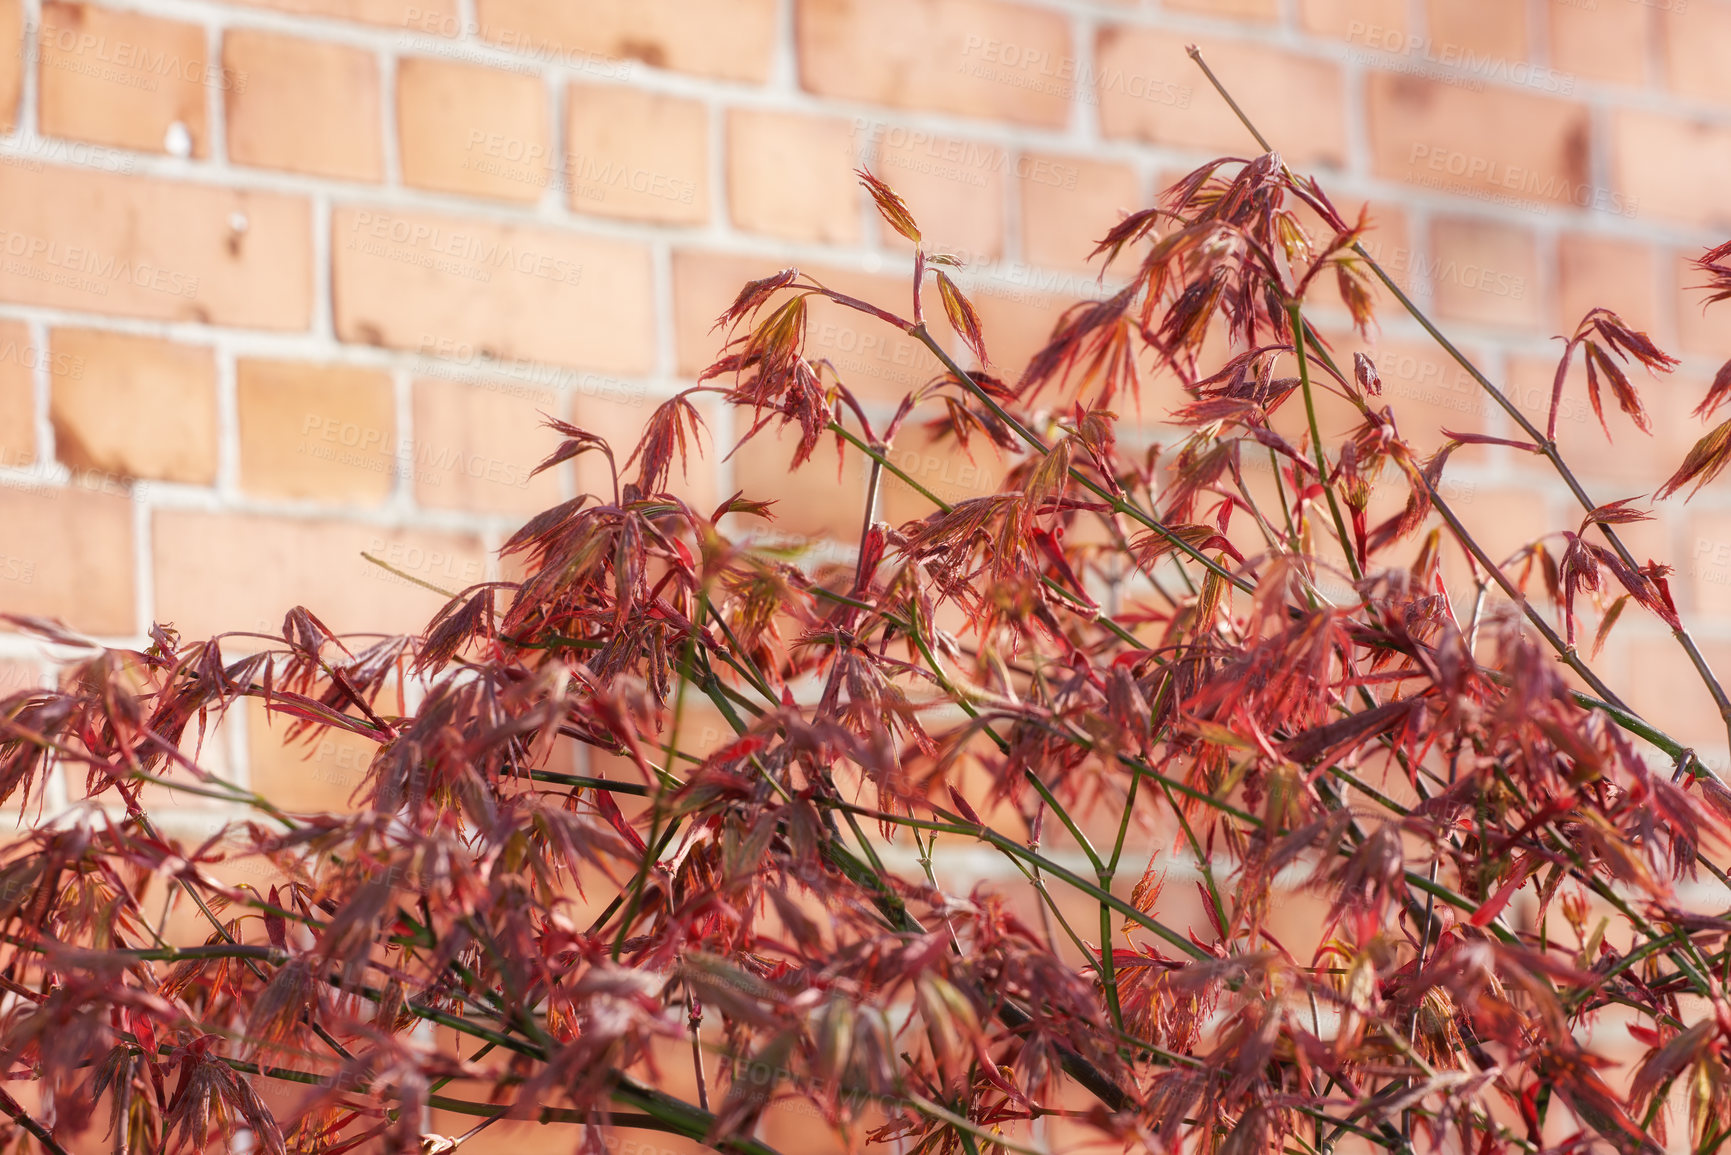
point(1236, 650)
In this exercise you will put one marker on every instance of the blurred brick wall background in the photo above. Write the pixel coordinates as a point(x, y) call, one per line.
point(283, 281)
point(286, 281)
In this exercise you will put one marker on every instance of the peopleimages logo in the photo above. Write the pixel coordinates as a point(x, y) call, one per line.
point(1009, 63)
point(123, 62)
point(1482, 66)
point(42, 259)
point(422, 243)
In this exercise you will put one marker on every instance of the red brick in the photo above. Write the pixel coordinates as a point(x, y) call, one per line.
point(467, 129)
point(18, 357)
point(941, 467)
point(1470, 31)
point(475, 445)
point(438, 17)
point(619, 417)
point(137, 246)
point(790, 175)
point(1664, 688)
point(955, 189)
point(1503, 521)
point(824, 498)
point(1512, 144)
point(319, 772)
point(1672, 167)
point(1702, 330)
point(1017, 321)
point(873, 359)
point(1601, 42)
point(1148, 90)
point(1427, 390)
point(316, 431)
point(134, 407)
point(1068, 204)
point(1353, 20)
point(1629, 460)
point(638, 155)
point(122, 78)
point(1709, 563)
point(1389, 243)
point(1601, 272)
point(1693, 39)
point(236, 571)
point(733, 41)
point(411, 280)
point(973, 57)
point(1263, 10)
point(11, 61)
point(1486, 272)
point(68, 555)
point(305, 106)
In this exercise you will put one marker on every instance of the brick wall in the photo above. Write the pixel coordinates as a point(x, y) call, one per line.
point(286, 281)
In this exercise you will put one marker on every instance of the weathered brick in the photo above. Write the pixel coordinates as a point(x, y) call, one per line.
point(18, 357)
point(1353, 20)
point(1471, 32)
point(474, 446)
point(1148, 90)
point(463, 128)
point(136, 246)
point(1510, 144)
point(315, 431)
point(1693, 39)
point(237, 571)
point(1068, 204)
point(1672, 167)
point(1487, 272)
point(873, 359)
point(411, 280)
point(1602, 42)
point(134, 406)
point(306, 105)
point(124, 79)
point(791, 175)
point(638, 155)
point(973, 57)
point(68, 554)
point(11, 61)
point(733, 41)
point(954, 187)
point(438, 17)
point(1601, 272)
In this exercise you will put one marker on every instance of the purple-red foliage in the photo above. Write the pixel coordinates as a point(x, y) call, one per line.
point(1210, 649)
